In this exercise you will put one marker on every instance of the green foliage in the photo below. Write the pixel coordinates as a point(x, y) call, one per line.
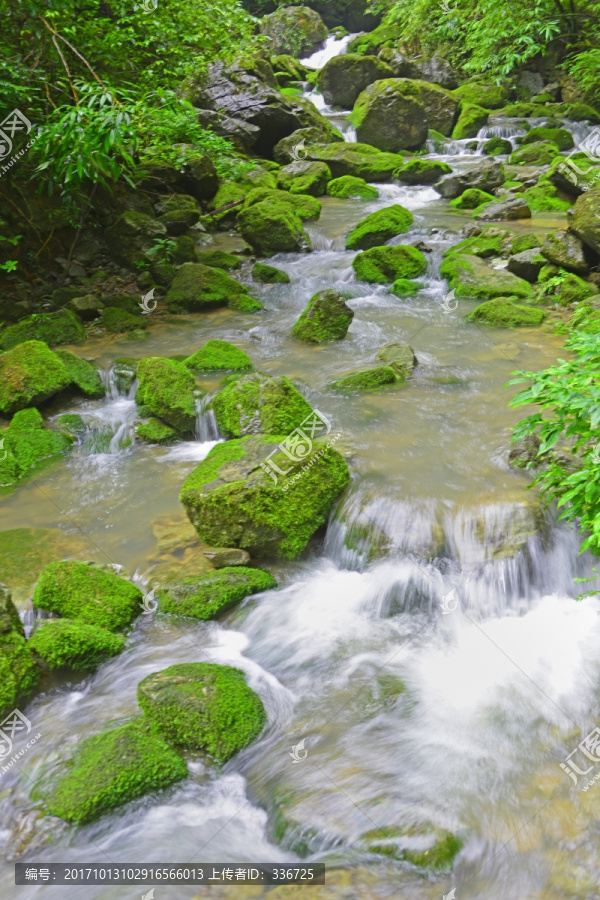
point(585, 68)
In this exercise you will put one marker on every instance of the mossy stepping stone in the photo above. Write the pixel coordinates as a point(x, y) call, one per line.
point(213, 595)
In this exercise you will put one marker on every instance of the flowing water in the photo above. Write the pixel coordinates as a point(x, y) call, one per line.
point(429, 651)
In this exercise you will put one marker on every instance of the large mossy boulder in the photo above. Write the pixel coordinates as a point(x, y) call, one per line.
point(479, 93)
point(541, 153)
point(269, 274)
point(256, 403)
point(273, 229)
point(244, 494)
point(214, 594)
point(304, 206)
point(132, 236)
point(484, 176)
point(61, 327)
point(470, 276)
point(87, 594)
point(19, 672)
point(441, 107)
point(29, 374)
point(503, 312)
point(65, 644)
point(296, 30)
point(379, 227)
point(326, 318)
point(349, 187)
point(391, 116)
point(382, 265)
point(216, 356)
point(585, 221)
point(167, 389)
point(422, 171)
point(471, 199)
point(111, 769)
point(197, 287)
point(203, 707)
point(27, 444)
point(84, 376)
point(566, 250)
point(344, 77)
point(471, 120)
point(304, 177)
point(358, 160)
point(559, 136)
point(294, 146)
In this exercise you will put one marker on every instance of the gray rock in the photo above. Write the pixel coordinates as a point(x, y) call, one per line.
point(436, 69)
point(566, 250)
point(505, 211)
point(400, 357)
point(297, 30)
point(527, 264)
point(532, 82)
point(486, 176)
point(294, 146)
point(87, 307)
point(344, 77)
point(391, 116)
point(222, 557)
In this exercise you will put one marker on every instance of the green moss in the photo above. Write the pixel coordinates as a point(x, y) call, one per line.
point(29, 374)
point(71, 424)
point(574, 289)
point(269, 274)
point(156, 432)
point(404, 287)
point(422, 171)
point(469, 276)
point(381, 265)
point(27, 444)
point(271, 228)
point(471, 199)
point(490, 96)
point(62, 327)
point(326, 318)
point(168, 390)
point(400, 357)
point(367, 379)
point(559, 136)
point(348, 186)
point(245, 303)
point(218, 259)
point(111, 769)
point(257, 402)
point(497, 146)
point(119, 321)
point(203, 706)
point(504, 313)
point(306, 177)
point(214, 594)
point(370, 44)
point(358, 160)
point(485, 245)
point(197, 287)
point(379, 227)
point(522, 242)
point(87, 594)
point(128, 302)
point(19, 672)
point(217, 355)
point(439, 846)
point(580, 112)
point(539, 154)
point(471, 119)
point(83, 374)
point(544, 196)
point(232, 501)
point(75, 645)
point(305, 207)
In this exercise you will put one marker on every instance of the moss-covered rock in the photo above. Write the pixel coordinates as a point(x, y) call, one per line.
point(87, 594)
point(344, 77)
point(218, 355)
point(574, 290)
point(286, 150)
point(259, 403)
point(493, 242)
point(273, 229)
point(372, 42)
point(71, 424)
point(156, 432)
point(61, 327)
point(379, 227)
point(167, 389)
point(83, 374)
point(391, 116)
point(348, 186)
point(565, 250)
point(522, 242)
point(404, 287)
point(178, 212)
point(540, 153)
point(478, 93)
point(203, 706)
point(197, 287)
point(219, 259)
point(111, 769)
point(585, 222)
point(63, 643)
point(269, 274)
point(304, 177)
point(304, 206)
point(367, 379)
point(423, 845)
point(471, 199)
point(326, 318)
point(400, 357)
point(469, 276)
point(132, 236)
point(422, 171)
point(497, 146)
point(381, 265)
point(27, 444)
point(215, 593)
point(359, 160)
point(503, 312)
point(119, 321)
point(559, 136)
point(234, 498)
point(294, 30)
point(29, 374)
point(470, 121)
point(19, 672)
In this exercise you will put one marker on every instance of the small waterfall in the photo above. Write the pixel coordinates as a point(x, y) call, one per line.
point(206, 422)
point(333, 47)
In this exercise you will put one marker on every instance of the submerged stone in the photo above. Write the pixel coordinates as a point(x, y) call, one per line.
point(269, 274)
point(326, 318)
point(422, 845)
point(156, 432)
point(214, 594)
point(367, 379)
point(401, 358)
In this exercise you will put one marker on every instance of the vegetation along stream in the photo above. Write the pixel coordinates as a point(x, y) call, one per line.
point(299, 467)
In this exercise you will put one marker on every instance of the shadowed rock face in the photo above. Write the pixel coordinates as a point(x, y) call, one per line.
point(344, 77)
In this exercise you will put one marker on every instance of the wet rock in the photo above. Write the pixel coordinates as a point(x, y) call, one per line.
point(355, 15)
point(167, 389)
point(293, 147)
point(502, 312)
point(217, 356)
point(348, 187)
point(19, 672)
point(525, 451)
point(233, 501)
point(132, 236)
point(178, 213)
point(259, 403)
point(214, 594)
point(366, 379)
point(156, 432)
point(223, 557)
point(124, 373)
point(29, 374)
point(528, 264)
point(541, 153)
point(422, 171)
point(505, 211)
point(390, 115)
point(485, 176)
point(585, 220)
point(344, 77)
point(65, 644)
point(497, 146)
point(61, 327)
point(379, 227)
point(326, 318)
point(562, 138)
point(269, 274)
point(401, 358)
point(478, 93)
point(304, 177)
point(471, 120)
point(382, 265)
point(565, 249)
point(197, 287)
point(440, 106)
point(273, 228)
point(423, 845)
point(470, 276)
point(87, 307)
point(297, 30)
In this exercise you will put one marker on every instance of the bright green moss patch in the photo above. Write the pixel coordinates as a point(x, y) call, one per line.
point(471, 119)
point(75, 645)
point(202, 706)
point(471, 199)
point(62, 327)
point(156, 432)
point(269, 274)
point(326, 318)
point(559, 136)
point(484, 245)
point(168, 390)
point(218, 355)
point(27, 444)
point(197, 287)
point(218, 259)
point(255, 402)
point(522, 242)
point(348, 186)
point(540, 153)
point(270, 229)
point(87, 594)
point(19, 672)
point(574, 289)
point(497, 146)
point(544, 196)
point(214, 594)
point(29, 374)
point(367, 379)
point(304, 206)
point(82, 374)
point(380, 265)
point(422, 171)
point(425, 846)
point(379, 227)
point(304, 178)
point(470, 276)
point(404, 287)
point(111, 769)
point(119, 321)
point(505, 313)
